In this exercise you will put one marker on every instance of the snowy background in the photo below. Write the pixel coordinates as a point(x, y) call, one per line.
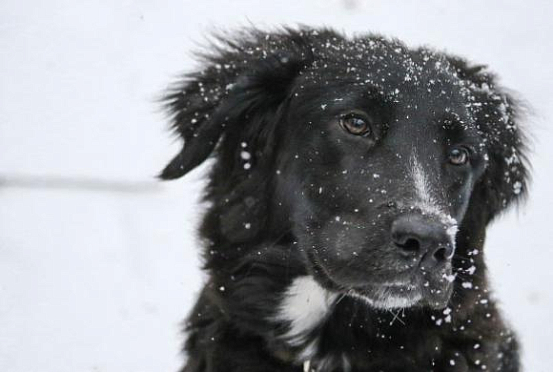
point(98, 262)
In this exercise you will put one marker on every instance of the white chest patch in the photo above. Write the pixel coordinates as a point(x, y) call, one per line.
point(304, 306)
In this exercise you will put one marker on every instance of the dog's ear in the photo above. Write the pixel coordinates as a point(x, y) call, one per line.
point(243, 76)
point(499, 117)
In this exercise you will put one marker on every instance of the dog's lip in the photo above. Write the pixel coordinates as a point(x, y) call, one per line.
point(409, 285)
point(397, 288)
point(408, 282)
point(391, 296)
point(401, 286)
point(416, 288)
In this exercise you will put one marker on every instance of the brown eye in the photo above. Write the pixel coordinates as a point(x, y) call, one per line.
point(356, 125)
point(458, 156)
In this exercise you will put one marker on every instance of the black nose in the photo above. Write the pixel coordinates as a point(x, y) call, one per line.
point(422, 238)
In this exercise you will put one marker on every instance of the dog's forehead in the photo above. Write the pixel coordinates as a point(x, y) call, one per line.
point(383, 57)
point(413, 78)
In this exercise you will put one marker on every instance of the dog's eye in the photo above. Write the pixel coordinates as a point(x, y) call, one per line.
point(355, 124)
point(459, 156)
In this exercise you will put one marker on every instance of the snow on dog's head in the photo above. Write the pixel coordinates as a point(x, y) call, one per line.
point(380, 161)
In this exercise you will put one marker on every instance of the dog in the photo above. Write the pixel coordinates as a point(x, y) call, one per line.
point(352, 183)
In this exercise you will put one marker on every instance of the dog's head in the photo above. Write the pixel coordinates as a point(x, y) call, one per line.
point(378, 158)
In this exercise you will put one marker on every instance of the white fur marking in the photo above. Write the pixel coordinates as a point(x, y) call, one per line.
point(422, 186)
point(387, 301)
point(309, 350)
point(426, 202)
point(346, 365)
point(305, 305)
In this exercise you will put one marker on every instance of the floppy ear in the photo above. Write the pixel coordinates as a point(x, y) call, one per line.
point(498, 117)
point(244, 75)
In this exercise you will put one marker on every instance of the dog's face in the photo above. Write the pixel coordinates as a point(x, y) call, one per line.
point(370, 153)
point(378, 180)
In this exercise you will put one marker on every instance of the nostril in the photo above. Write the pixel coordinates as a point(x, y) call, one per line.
point(440, 254)
point(411, 244)
point(443, 253)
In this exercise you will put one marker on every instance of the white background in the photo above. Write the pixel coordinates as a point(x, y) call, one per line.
point(98, 280)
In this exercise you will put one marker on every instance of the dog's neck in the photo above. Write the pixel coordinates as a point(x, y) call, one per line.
point(311, 317)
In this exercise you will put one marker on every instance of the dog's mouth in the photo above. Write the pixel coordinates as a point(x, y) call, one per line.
point(431, 293)
point(412, 289)
point(389, 296)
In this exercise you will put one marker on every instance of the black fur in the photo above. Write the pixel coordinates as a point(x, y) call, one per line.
point(268, 106)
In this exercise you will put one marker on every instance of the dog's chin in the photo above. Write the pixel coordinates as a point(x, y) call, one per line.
point(388, 296)
point(403, 296)
point(417, 290)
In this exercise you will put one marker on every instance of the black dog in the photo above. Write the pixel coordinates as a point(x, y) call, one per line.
point(353, 182)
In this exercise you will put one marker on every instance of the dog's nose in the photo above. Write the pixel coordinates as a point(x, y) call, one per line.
point(422, 238)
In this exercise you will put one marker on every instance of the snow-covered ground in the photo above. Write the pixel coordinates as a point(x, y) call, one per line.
point(98, 279)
